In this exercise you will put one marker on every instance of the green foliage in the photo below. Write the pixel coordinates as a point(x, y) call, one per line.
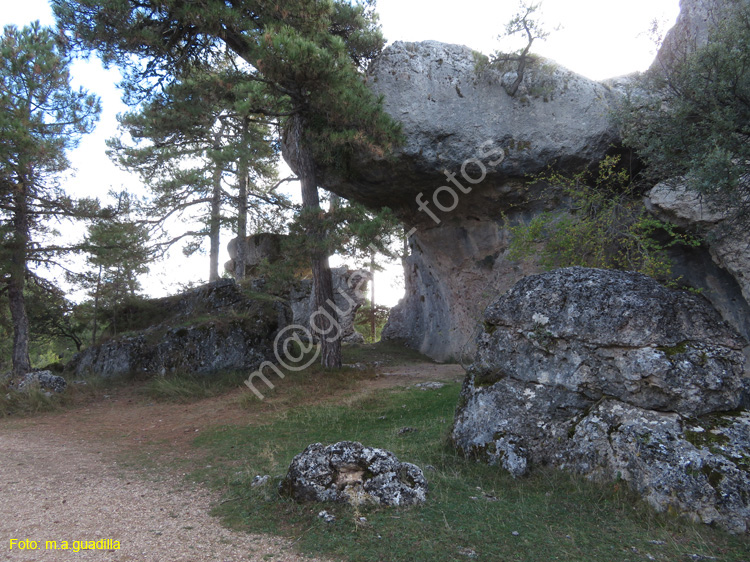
point(304, 62)
point(694, 122)
point(118, 251)
point(189, 138)
point(352, 230)
point(364, 318)
point(41, 118)
point(607, 226)
point(366, 315)
point(470, 506)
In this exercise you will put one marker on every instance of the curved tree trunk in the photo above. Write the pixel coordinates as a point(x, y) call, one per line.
point(329, 333)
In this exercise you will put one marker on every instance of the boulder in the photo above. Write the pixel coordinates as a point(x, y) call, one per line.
point(45, 380)
point(572, 366)
point(349, 472)
point(258, 247)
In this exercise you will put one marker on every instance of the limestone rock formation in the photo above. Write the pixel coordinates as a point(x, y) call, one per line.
point(349, 472)
point(692, 29)
point(469, 147)
point(454, 108)
point(215, 327)
point(258, 247)
point(611, 375)
point(727, 246)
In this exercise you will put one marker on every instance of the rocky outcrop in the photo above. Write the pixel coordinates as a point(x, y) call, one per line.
point(611, 375)
point(349, 472)
point(726, 245)
point(692, 29)
point(264, 246)
point(212, 328)
point(468, 149)
point(44, 380)
point(349, 290)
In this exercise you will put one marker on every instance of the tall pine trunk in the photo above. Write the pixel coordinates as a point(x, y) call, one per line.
point(243, 170)
point(96, 305)
point(214, 226)
point(330, 336)
point(17, 302)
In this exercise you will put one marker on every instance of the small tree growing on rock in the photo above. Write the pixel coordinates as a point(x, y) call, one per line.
point(525, 22)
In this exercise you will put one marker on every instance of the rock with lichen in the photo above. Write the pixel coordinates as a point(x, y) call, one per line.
point(611, 375)
point(349, 472)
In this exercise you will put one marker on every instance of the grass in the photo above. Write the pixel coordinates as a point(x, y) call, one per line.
point(471, 507)
point(29, 402)
point(187, 387)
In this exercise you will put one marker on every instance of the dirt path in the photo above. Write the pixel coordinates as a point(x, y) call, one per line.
point(60, 481)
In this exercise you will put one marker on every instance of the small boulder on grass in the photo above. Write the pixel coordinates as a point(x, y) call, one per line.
point(349, 472)
point(45, 380)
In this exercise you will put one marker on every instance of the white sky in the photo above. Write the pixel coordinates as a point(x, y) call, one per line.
point(597, 38)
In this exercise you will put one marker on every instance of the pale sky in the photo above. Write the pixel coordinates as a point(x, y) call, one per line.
point(597, 38)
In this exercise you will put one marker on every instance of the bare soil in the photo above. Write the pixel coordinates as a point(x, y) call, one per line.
point(65, 476)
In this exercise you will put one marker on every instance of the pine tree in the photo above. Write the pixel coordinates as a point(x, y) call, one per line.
point(118, 251)
point(41, 117)
point(189, 139)
point(304, 56)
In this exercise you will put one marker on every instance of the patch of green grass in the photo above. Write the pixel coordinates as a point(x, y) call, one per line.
point(471, 507)
point(190, 387)
point(386, 352)
point(27, 402)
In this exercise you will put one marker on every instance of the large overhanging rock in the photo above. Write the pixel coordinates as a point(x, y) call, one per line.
point(609, 374)
point(454, 108)
point(468, 150)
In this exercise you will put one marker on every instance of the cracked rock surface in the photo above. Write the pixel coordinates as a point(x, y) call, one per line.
point(352, 473)
point(611, 375)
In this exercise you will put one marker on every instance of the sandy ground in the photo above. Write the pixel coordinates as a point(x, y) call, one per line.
point(60, 481)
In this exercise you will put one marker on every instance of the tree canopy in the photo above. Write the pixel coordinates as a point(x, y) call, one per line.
point(41, 118)
point(303, 60)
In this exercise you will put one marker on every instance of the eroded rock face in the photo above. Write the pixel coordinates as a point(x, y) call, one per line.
point(209, 329)
point(573, 365)
point(727, 246)
point(461, 127)
point(692, 29)
point(351, 473)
